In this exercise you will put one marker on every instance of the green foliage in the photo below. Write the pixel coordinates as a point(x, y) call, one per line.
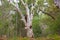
point(56, 25)
point(36, 27)
point(54, 36)
point(0, 14)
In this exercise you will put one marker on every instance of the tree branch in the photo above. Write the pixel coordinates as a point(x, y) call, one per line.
point(26, 6)
point(23, 2)
point(47, 14)
point(27, 11)
point(18, 10)
point(20, 13)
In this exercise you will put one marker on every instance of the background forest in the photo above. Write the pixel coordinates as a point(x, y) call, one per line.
point(45, 23)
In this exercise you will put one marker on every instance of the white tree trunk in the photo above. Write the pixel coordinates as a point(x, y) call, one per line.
point(29, 18)
point(28, 26)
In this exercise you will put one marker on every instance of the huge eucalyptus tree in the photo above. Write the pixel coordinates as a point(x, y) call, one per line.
point(30, 7)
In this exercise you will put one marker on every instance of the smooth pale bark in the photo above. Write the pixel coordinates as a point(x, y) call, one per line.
point(28, 27)
point(57, 3)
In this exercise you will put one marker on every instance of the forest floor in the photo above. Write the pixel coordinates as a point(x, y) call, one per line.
point(39, 38)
